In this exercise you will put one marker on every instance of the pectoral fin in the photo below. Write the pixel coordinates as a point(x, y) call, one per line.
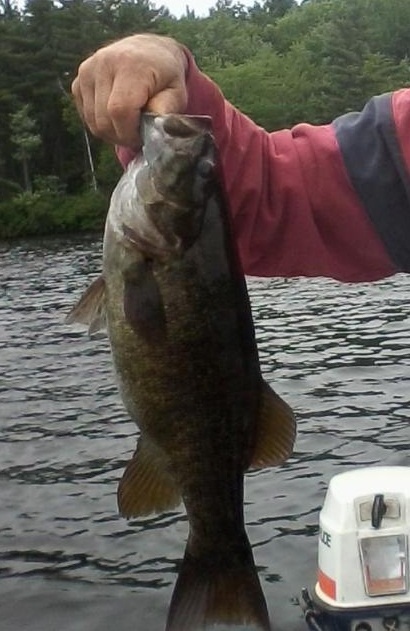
point(143, 304)
point(147, 486)
point(90, 309)
point(276, 431)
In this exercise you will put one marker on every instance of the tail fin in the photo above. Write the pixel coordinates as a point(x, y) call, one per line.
point(208, 593)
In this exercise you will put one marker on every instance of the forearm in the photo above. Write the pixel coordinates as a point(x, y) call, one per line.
point(295, 206)
point(294, 210)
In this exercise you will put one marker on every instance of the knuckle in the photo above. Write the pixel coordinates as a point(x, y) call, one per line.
point(116, 109)
point(103, 126)
point(83, 68)
point(75, 88)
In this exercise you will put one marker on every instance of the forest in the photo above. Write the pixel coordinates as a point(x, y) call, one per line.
point(279, 61)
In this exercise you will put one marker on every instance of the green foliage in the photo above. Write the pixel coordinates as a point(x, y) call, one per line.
point(388, 27)
point(125, 17)
point(25, 140)
point(271, 9)
point(381, 74)
point(108, 170)
point(327, 69)
point(279, 61)
point(48, 213)
point(226, 37)
point(298, 24)
point(8, 189)
point(23, 133)
point(48, 184)
point(80, 213)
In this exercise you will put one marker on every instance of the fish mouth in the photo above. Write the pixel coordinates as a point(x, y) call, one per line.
point(155, 128)
point(180, 153)
point(164, 137)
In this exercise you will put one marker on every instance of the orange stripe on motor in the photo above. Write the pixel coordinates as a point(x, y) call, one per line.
point(327, 585)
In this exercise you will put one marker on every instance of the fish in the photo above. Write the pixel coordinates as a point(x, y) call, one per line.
point(174, 299)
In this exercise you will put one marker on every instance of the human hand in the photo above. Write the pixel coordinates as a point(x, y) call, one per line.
point(140, 72)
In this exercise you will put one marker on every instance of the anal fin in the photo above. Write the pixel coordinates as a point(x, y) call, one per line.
point(147, 486)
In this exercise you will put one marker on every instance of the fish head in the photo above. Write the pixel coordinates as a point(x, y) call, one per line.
point(180, 155)
point(158, 206)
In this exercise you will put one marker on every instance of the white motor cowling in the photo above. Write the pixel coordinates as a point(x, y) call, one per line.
point(363, 562)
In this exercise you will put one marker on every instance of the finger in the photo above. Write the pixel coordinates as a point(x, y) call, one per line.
point(75, 91)
point(83, 92)
point(128, 97)
point(104, 127)
point(170, 101)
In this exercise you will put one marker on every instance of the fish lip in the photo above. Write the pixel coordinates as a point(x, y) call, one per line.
point(163, 123)
point(158, 130)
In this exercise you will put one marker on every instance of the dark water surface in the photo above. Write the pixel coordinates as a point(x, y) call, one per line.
point(339, 354)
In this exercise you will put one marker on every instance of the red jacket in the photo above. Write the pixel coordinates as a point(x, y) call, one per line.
point(330, 200)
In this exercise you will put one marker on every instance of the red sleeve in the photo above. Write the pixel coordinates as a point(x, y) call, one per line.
point(294, 210)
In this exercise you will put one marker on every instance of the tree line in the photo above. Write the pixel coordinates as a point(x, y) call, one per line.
point(279, 61)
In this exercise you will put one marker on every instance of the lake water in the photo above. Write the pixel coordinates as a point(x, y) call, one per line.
point(339, 354)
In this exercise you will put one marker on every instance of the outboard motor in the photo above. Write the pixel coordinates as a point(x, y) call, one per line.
point(363, 573)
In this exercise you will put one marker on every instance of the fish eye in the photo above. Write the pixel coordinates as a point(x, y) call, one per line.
point(205, 167)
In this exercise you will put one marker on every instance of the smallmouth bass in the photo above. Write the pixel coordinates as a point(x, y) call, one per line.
point(173, 297)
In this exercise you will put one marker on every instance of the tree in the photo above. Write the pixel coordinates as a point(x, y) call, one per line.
point(8, 10)
point(270, 10)
point(125, 17)
point(388, 27)
point(25, 139)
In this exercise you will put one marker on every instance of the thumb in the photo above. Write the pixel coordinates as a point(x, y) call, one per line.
point(169, 101)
